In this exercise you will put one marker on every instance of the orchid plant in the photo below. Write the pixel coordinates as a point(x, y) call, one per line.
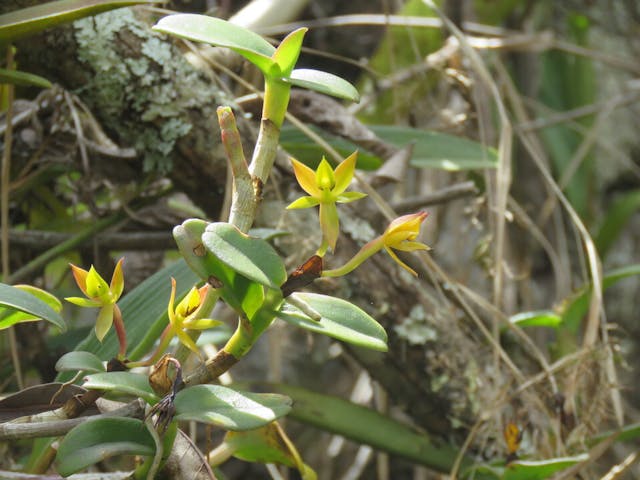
point(244, 272)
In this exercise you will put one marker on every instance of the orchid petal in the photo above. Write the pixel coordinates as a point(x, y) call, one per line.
point(80, 276)
point(104, 321)
point(350, 197)
point(187, 341)
point(303, 202)
point(188, 304)
point(172, 299)
point(306, 177)
point(400, 262)
point(344, 173)
point(201, 324)
point(83, 302)
point(329, 223)
point(117, 281)
point(97, 287)
point(408, 246)
point(325, 179)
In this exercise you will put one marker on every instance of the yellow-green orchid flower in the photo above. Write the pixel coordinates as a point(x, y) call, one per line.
point(326, 187)
point(399, 235)
point(102, 295)
point(186, 316)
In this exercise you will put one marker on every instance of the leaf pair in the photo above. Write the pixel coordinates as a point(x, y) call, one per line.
point(275, 63)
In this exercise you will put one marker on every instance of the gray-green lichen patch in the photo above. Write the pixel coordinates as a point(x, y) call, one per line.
point(415, 328)
point(141, 84)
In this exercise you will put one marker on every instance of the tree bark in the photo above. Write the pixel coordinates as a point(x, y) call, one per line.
point(143, 92)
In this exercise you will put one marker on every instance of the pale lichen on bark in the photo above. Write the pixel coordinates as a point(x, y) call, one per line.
point(139, 77)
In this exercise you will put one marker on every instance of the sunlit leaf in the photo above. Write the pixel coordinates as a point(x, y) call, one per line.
point(339, 319)
point(96, 440)
point(214, 31)
point(323, 82)
point(25, 301)
point(252, 257)
point(228, 408)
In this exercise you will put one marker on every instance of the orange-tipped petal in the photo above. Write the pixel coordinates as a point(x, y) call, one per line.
point(306, 177)
point(80, 276)
point(344, 173)
point(117, 281)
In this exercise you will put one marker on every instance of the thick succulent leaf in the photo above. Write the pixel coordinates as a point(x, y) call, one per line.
point(339, 319)
point(323, 82)
point(15, 77)
point(214, 31)
point(228, 408)
point(31, 20)
point(85, 361)
point(96, 440)
point(14, 299)
point(251, 257)
point(238, 291)
point(135, 384)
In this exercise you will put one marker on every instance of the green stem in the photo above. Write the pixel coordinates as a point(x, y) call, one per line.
point(243, 199)
point(118, 324)
point(365, 252)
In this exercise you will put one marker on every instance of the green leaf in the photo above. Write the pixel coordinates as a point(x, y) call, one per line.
point(286, 55)
point(439, 150)
point(238, 291)
point(615, 220)
point(214, 31)
point(15, 77)
point(74, 361)
point(135, 384)
point(577, 306)
point(24, 301)
point(32, 20)
point(339, 319)
point(96, 440)
point(268, 444)
point(364, 425)
point(323, 82)
point(228, 408)
point(539, 318)
point(529, 470)
point(625, 434)
point(251, 257)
